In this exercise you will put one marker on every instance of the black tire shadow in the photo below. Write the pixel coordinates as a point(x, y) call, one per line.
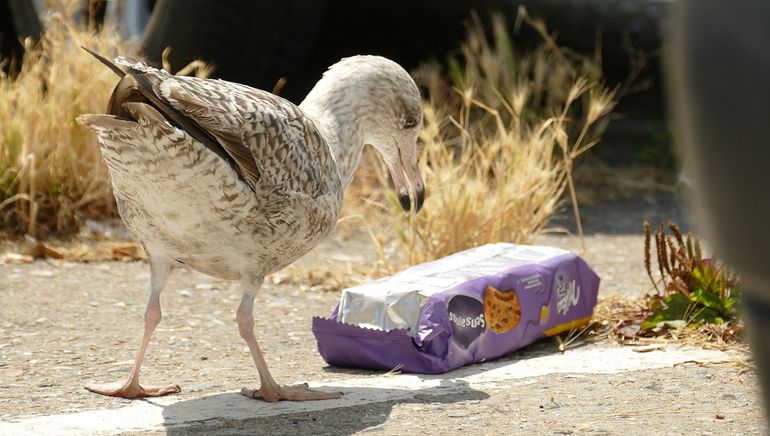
point(626, 216)
point(361, 408)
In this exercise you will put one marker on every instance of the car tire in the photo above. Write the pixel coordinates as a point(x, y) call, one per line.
point(24, 19)
point(254, 42)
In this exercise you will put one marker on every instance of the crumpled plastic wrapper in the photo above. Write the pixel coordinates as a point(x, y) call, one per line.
point(469, 307)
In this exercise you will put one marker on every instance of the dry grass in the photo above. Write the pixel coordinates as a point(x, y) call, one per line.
point(611, 312)
point(51, 171)
point(500, 144)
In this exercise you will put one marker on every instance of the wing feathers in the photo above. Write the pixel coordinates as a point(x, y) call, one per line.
point(195, 107)
point(104, 122)
point(266, 140)
point(141, 80)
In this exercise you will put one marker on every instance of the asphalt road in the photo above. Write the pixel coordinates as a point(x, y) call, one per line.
point(63, 325)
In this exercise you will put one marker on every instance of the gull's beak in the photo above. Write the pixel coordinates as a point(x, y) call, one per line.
point(406, 176)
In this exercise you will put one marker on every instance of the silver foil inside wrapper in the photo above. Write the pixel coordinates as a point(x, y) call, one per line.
point(395, 302)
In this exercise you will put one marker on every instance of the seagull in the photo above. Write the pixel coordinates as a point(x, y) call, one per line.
point(237, 183)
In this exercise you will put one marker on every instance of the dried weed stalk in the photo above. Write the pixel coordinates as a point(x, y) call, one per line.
point(500, 142)
point(51, 170)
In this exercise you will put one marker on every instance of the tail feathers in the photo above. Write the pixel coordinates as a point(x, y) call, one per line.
point(121, 60)
point(141, 113)
point(104, 122)
point(147, 115)
point(135, 65)
point(106, 62)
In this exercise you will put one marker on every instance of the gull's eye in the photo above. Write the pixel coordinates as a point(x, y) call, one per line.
point(410, 123)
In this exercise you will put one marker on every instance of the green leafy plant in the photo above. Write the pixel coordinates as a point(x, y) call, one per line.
point(691, 291)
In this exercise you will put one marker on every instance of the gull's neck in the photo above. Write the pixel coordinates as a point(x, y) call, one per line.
point(336, 112)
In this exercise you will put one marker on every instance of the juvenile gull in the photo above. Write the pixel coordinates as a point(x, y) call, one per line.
point(238, 183)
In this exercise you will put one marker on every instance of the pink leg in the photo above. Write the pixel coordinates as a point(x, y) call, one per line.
point(152, 316)
point(269, 389)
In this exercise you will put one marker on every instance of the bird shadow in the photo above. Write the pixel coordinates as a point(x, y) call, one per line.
point(360, 408)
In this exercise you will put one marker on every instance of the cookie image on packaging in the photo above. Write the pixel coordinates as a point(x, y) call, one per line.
point(502, 310)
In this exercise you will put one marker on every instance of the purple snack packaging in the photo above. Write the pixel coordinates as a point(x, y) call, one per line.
point(441, 315)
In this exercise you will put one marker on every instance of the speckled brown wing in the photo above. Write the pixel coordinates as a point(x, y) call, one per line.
point(139, 84)
point(268, 140)
point(271, 140)
point(215, 175)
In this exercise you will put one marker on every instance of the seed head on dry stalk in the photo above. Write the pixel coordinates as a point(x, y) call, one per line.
point(647, 260)
point(698, 253)
point(660, 248)
point(672, 252)
point(677, 234)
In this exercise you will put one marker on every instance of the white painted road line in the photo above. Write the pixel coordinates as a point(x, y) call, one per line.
point(176, 412)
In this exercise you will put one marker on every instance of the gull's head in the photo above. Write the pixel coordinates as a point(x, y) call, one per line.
point(389, 109)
